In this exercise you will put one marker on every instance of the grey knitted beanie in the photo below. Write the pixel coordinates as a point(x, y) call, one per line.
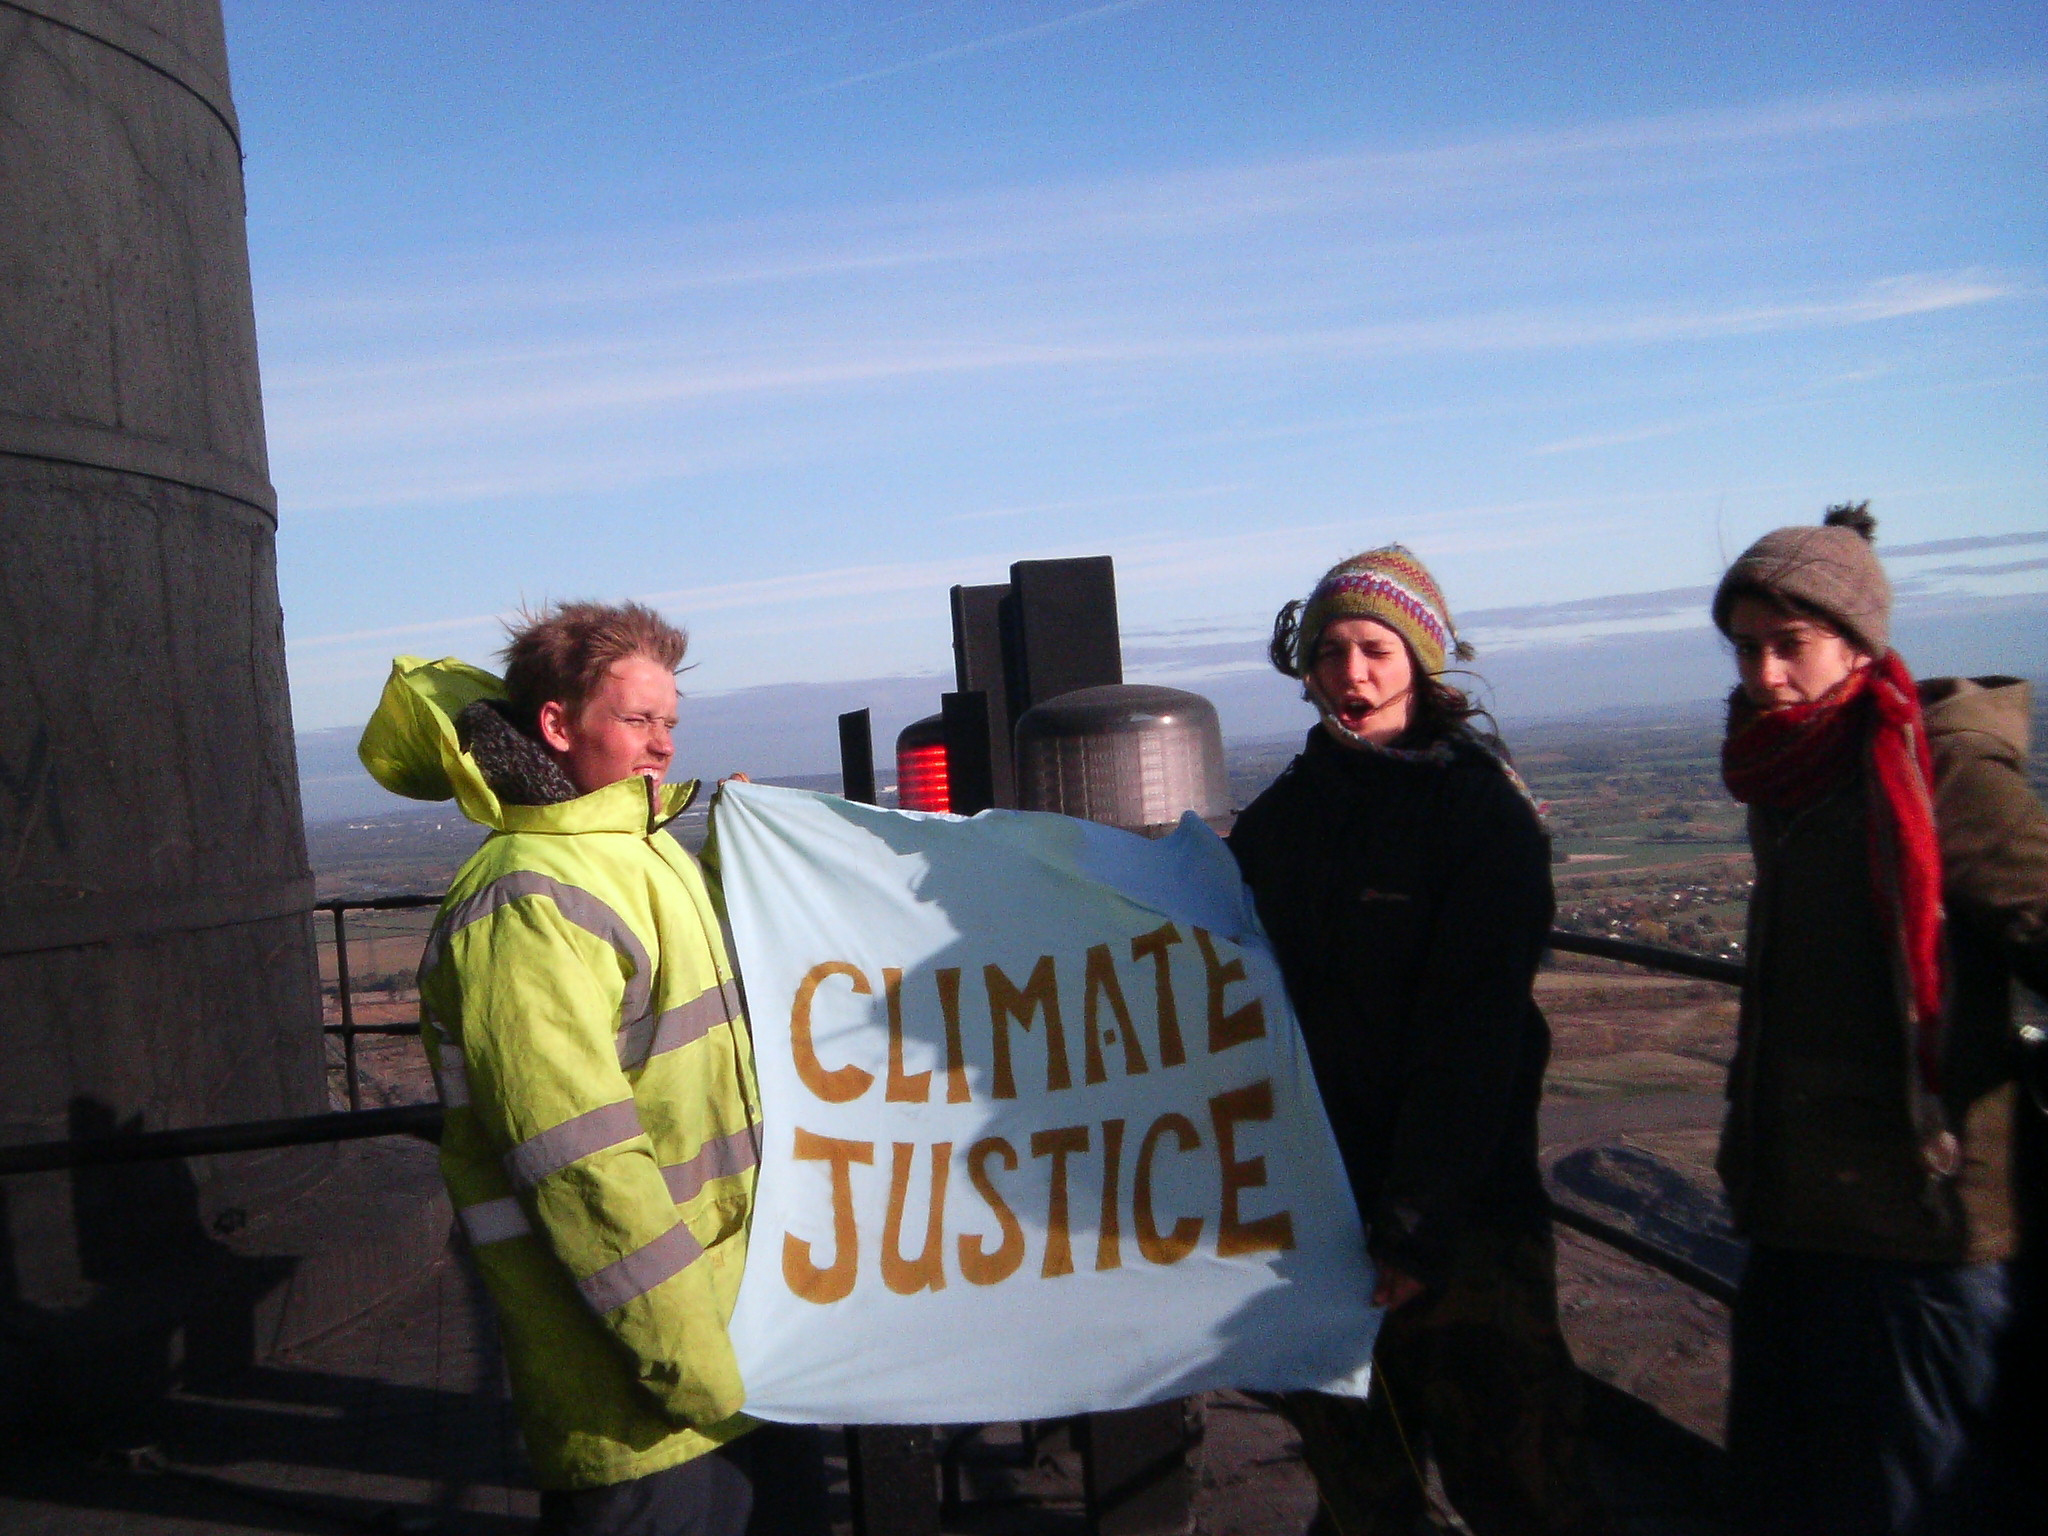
point(1832, 569)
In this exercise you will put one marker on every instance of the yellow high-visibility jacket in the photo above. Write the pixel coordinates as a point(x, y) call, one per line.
point(603, 1127)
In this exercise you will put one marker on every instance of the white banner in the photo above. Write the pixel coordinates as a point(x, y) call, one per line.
point(1041, 1133)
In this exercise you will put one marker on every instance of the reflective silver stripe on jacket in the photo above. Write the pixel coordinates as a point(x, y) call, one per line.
point(641, 1270)
point(558, 1146)
point(716, 1159)
point(453, 1077)
point(493, 1221)
point(645, 1038)
point(575, 904)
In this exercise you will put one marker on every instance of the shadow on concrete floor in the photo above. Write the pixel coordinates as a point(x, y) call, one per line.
point(399, 1424)
point(395, 1423)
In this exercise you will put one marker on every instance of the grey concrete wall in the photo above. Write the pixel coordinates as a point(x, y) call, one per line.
point(156, 964)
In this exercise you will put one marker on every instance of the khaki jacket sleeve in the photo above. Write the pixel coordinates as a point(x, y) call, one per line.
point(1994, 850)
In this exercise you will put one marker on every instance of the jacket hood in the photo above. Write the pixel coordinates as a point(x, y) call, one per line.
point(1993, 707)
point(414, 747)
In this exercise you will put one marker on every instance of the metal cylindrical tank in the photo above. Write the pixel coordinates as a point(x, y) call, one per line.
point(923, 777)
point(156, 958)
point(1129, 754)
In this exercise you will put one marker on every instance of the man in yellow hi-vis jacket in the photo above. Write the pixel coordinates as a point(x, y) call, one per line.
point(602, 1133)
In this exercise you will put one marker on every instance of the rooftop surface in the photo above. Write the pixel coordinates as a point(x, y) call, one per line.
point(398, 1423)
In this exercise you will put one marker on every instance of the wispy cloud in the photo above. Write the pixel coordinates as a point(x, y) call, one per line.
point(1814, 394)
point(1518, 172)
point(837, 585)
point(413, 630)
point(1225, 302)
point(1617, 607)
point(1207, 654)
point(625, 360)
point(1962, 546)
point(557, 394)
point(1193, 558)
point(2004, 568)
point(1649, 432)
point(1097, 503)
point(1612, 613)
point(821, 596)
point(990, 43)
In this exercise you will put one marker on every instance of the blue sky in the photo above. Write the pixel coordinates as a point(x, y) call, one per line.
point(788, 316)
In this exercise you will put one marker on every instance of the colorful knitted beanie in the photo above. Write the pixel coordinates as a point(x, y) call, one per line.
point(1388, 584)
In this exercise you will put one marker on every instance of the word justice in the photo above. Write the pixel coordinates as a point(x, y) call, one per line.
point(1038, 999)
point(980, 1264)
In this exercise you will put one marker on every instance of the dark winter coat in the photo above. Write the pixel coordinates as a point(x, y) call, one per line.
point(1820, 1152)
point(1409, 902)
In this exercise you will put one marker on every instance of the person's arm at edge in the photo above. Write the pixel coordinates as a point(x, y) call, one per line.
point(1994, 850)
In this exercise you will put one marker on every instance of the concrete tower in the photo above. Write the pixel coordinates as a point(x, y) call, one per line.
point(156, 959)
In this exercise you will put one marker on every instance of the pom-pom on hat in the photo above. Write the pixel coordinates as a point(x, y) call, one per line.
point(1388, 584)
point(1832, 570)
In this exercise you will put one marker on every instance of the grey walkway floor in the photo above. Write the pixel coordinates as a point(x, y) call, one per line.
point(398, 1423)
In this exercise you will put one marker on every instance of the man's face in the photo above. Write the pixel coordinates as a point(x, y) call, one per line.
point(624, 728)
point(1785, 658)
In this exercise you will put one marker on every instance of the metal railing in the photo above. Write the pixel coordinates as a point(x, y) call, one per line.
point(876, 1443)
point(421, 1120)
point(424, 1120)
point(1677, 963)
point(348, 1029)
point(1650, 956)
point(1706, 1281)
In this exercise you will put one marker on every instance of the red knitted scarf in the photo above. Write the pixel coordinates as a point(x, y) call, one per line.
point(1788, 758)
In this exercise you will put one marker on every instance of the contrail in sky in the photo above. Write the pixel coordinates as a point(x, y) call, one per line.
point(985, 44)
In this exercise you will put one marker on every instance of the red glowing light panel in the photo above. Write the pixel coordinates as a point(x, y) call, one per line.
point(921, 781)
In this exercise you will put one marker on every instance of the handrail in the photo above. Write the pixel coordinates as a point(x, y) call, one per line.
point(1640, 1248)
point(1651, 956)
point(424, 1120)
point(1676, 962)
point(421, 1120)
point(338, 908)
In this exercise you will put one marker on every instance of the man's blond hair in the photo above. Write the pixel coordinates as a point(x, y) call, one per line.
point(562, 654)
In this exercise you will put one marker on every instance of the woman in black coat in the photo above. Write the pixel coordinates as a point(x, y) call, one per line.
point(1404, 877)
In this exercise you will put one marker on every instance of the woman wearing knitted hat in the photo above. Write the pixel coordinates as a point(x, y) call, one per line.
point(1404, 877)
point(1901, 878)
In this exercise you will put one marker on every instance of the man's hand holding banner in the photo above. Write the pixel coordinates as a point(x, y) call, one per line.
point(1042, 1137)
